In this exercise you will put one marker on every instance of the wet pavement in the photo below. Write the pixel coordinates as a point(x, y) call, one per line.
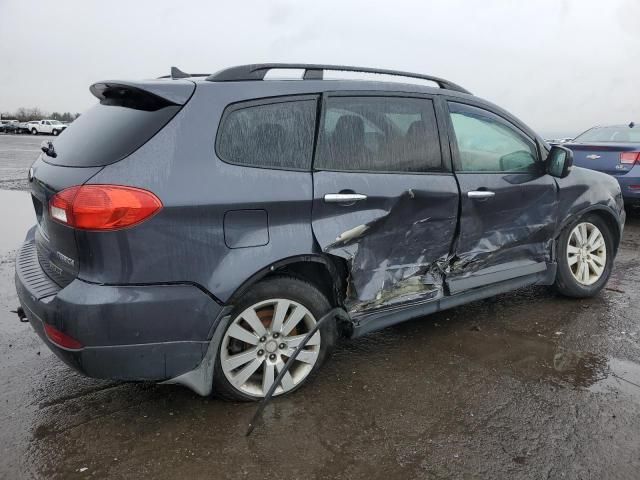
point(524, 385)
point(17, 153)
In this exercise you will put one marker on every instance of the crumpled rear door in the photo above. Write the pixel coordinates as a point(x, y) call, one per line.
point(394, 229)
point(396, 242)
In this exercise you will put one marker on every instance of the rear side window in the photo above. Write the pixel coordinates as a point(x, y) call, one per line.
point(105, 134)
point(379, 134)
point(269, 135)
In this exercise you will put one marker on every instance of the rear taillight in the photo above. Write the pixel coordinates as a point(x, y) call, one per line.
point(61, 339)
point(103, 207)
point(629, 158)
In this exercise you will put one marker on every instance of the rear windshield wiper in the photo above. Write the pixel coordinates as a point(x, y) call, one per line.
point(47, 148)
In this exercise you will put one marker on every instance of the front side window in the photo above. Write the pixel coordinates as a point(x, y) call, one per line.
point(272, 135)
point(379, 134)
point(487, 143)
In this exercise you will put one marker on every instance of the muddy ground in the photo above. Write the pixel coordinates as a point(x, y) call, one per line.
point(525, 385)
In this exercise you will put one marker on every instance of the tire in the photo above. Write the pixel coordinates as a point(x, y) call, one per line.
point(55, 133)
point(264, 299)
point(34, 131)
point(592, 281)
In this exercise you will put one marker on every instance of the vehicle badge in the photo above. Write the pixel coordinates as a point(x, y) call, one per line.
point(593, 156)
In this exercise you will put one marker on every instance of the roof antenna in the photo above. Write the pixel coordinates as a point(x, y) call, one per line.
point(631, 125)
point(177, 73)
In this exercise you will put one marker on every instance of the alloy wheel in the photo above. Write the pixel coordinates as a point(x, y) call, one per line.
point(260, 340)
point(586, 253)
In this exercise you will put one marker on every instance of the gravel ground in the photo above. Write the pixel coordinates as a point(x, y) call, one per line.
point(526, 385)
point(17, 153)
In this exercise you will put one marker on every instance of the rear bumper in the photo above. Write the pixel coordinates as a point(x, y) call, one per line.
point(128, 332)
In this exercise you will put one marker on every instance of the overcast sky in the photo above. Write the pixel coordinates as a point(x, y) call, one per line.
point(559, 65)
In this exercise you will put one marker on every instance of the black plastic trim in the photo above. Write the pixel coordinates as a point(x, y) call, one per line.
point(386, 317)
point(258, 71)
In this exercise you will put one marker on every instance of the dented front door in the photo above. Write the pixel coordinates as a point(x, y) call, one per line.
point(384, 199)
point(508, 202)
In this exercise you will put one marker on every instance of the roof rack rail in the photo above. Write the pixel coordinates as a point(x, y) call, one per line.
point(176, 74)
point(258, 71)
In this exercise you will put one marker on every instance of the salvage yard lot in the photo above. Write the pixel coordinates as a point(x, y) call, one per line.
point(523, 385)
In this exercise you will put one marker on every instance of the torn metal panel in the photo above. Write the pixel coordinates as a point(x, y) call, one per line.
point(397, 242)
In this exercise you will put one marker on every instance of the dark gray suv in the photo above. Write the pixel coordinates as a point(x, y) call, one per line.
point(194, 229)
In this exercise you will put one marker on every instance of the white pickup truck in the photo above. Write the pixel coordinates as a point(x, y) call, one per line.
point(53, 127)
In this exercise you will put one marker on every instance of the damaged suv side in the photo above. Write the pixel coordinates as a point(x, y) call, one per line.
point(214, 220)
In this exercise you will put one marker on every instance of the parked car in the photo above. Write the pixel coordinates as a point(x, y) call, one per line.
point(559, 141)
point(613, 149)
point(32, 126)
point(53, 127)
point(23, 127)
point(9, 126)
point(195, 230)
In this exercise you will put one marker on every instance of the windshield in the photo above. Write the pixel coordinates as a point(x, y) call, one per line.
point(622, 134)
point(55, 122)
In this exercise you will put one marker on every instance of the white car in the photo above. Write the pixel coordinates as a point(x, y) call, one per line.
point(53, 127)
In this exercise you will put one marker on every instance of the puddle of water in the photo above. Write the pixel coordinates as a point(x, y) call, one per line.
point(579, 369)
point(17, 216)
point(538, 357)
point(622, 376)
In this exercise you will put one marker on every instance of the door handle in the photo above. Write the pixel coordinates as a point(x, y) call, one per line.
point(480, 194)
point(344, 197)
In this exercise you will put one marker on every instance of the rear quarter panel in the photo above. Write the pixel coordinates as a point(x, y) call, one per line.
point(185, 242)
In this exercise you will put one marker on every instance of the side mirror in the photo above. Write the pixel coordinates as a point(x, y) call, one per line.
point(559, 161)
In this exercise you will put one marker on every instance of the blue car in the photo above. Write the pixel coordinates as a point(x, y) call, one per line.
point(615, 150)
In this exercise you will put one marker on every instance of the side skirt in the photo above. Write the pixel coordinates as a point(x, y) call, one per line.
point(373, 321)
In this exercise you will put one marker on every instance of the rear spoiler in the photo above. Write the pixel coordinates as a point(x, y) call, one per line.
point(146, 95)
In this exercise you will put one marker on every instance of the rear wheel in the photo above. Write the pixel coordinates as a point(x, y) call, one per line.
point(268, 323)
point(585, 257)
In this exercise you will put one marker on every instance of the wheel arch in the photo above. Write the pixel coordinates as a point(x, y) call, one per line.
point(327, 272)
point(605, 213)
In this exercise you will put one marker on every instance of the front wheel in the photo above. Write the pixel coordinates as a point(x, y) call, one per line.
point(34, 131)
point(55, 133)
point(585, 257)
point(268, 323)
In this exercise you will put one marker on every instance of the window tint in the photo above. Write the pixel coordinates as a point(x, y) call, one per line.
point(105, 134)
point(486, 143)
point(386, 134)
point(274, 135)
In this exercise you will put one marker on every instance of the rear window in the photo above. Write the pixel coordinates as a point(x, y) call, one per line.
point(278, 134)
point(623, 134)
point(105, 134)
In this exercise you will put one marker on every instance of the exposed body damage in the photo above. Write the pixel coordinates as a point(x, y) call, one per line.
point(416, 198)
point(402, 252)
point(409, 252)
point(500, 236)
